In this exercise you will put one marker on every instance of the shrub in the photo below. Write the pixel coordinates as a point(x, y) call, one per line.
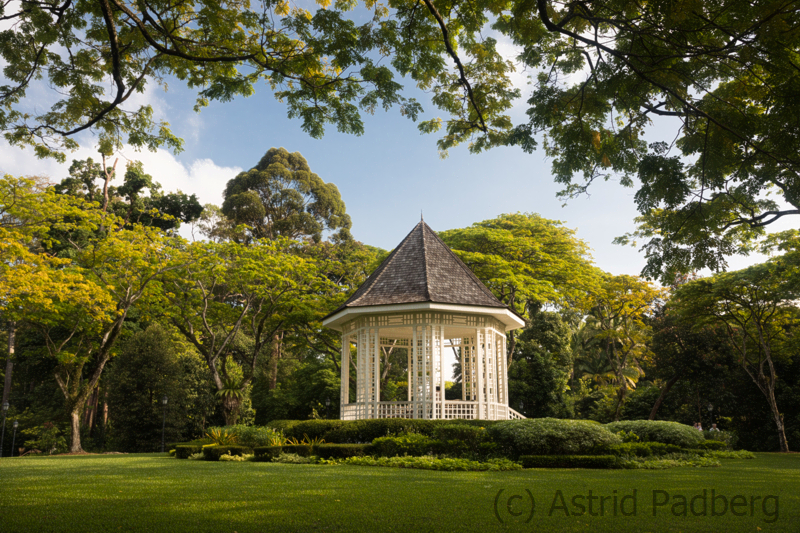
point(549, 436)
point(412, 444)
point(715, 445)
point(569, 461)
point(660, 431)
point(342, 451)
point(728, 437)
point(292, 458)
point(267, 453)
point(236, 458)
point(364, 431)
point(640, 449)
point(183, 451)
point(435, 463)
point(213, 453)
point(222, 436)
point(252, 436)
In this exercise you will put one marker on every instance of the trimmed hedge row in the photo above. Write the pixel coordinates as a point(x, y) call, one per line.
point(212, 453)
point(642, 449)
point(714, 445)
point(568, 461)
point(342, 451)
point(268, 453)
point(660, 431)
point(549, 436)
point(365, 431)
point(183, 451)
point(325, 451)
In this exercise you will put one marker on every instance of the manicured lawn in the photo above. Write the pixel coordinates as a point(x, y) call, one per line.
point(154, 493)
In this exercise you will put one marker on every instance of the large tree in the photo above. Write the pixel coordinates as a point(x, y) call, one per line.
point(757, 307)
point(96, 55)
point(230, 302)
point(619, 320)
point(720, 80)
point(527, 261)
point(281, 197)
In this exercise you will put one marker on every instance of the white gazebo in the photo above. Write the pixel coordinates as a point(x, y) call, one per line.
point(424, 300)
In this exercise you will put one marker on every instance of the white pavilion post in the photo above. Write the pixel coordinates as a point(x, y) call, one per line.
point(345, 380)
point(377, 376)
point(441, 372)
point(360, 374)
point(479, 374)
point(414, 377)
point(425, 371)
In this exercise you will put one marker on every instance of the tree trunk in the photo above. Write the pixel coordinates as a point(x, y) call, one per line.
point(621, 393)
point(672, 381)
point(776, 415)
point(273, 362)
point(12, 334)
point(75, 439)
point(512, 344)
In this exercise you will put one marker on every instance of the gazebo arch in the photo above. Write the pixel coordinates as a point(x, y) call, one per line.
point(423, 299)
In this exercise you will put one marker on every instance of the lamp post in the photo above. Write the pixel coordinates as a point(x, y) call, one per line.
point(327, 406)
point(710, 414)
point(14, 439)
point(164, 421)
point(3, 434)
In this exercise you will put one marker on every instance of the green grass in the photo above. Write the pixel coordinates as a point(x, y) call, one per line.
point(155, 493)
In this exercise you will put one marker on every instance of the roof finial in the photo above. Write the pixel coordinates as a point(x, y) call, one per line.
point(421, 218)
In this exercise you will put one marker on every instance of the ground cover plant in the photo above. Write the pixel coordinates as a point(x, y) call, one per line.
point(155, 493)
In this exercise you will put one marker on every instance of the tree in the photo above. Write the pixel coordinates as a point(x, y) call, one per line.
point(756, 306)
point(537, 379)
point(281, 197)
point(147, 368)
point(720, 77)
point(139, 200)
point(681, 352)
point(231, 299)
point(527, 261)
point(320, 64)
point(619, 319)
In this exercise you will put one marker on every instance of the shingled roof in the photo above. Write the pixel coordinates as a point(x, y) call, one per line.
point(422, 269)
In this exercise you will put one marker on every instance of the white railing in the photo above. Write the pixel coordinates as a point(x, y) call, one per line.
point(453, 409)
point(513, 415)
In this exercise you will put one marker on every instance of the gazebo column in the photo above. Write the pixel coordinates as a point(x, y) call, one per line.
point(425, 383)
point(441, 372)
point(376, 365)
point(479, 374)
point(345, 380)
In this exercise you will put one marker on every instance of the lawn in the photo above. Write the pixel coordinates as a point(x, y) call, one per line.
point(155, 493)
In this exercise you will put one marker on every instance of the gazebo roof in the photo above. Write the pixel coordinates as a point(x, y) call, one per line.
point(421, 269)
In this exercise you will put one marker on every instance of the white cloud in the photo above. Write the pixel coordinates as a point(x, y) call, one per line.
point(202, 177)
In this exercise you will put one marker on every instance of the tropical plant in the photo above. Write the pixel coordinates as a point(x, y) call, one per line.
point(222, 436)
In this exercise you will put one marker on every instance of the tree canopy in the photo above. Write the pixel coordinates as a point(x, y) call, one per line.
point(281, 197)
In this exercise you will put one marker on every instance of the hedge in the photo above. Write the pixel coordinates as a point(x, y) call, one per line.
point(364, 431)
point(342, 451)
point(549, 436)
point(714, 445)
point(568, 461)
point(212, 453)
point(641, 449)
point(183, 451)
point(660, 431)
point(267, 453)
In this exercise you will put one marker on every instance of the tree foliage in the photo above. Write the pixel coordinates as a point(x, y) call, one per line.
point(757, 308)
point(281, 197)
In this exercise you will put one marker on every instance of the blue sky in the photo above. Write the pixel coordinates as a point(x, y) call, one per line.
point(386, 176)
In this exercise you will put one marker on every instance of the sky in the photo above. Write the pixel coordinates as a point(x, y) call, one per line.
point(387, 177)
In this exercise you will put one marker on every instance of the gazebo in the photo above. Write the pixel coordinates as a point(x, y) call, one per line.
point(424, 300)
